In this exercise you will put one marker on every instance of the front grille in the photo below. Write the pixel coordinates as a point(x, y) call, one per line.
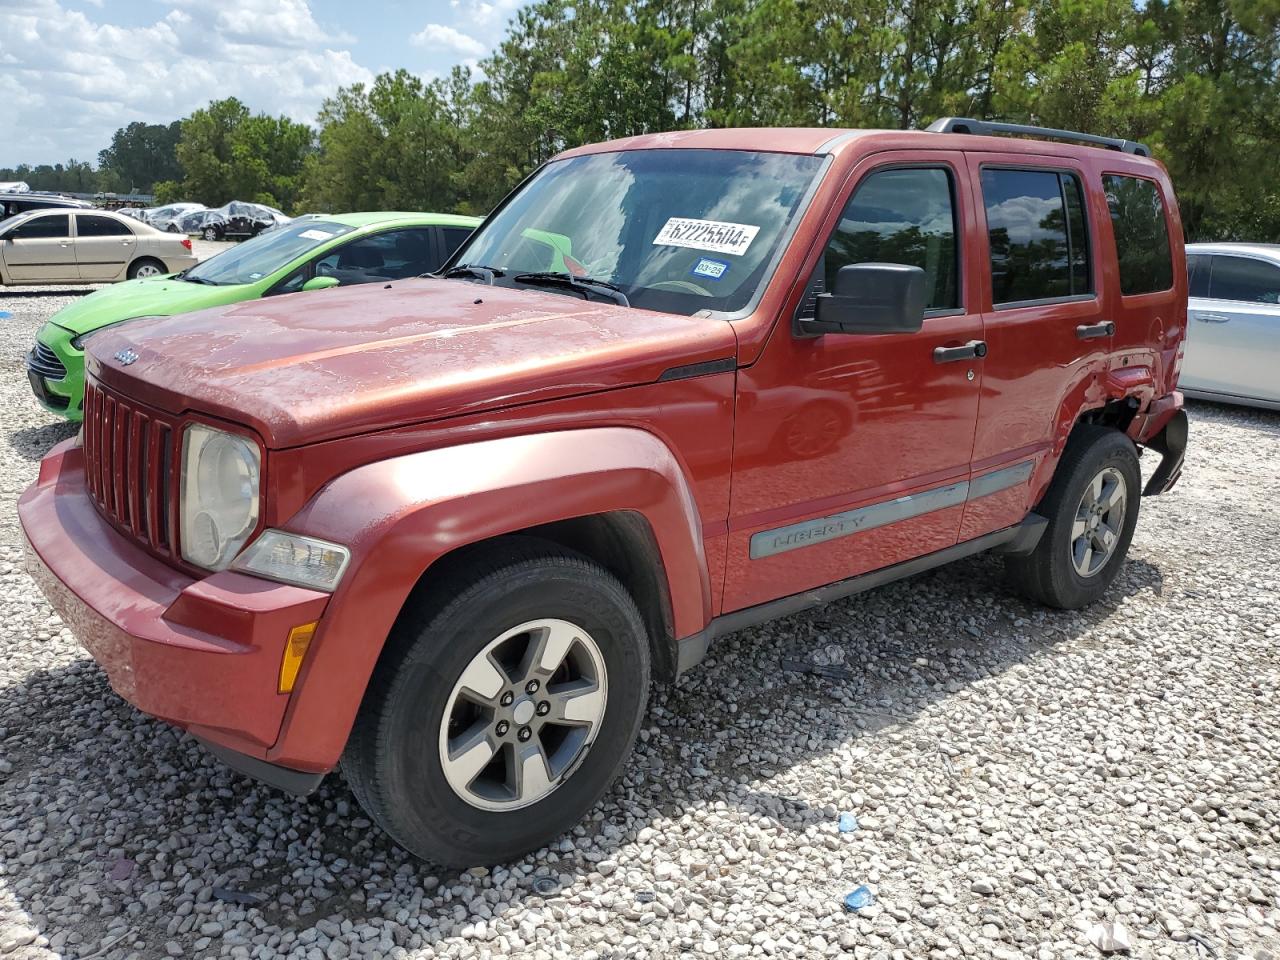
point(45, 362)
point(128, 457)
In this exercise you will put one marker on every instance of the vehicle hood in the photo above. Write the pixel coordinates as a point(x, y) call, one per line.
point(314, 366)
point(157, 296)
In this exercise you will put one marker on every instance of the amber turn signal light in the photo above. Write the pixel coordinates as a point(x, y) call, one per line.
point(295, 649)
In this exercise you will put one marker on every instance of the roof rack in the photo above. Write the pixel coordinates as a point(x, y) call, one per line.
point(988, 128)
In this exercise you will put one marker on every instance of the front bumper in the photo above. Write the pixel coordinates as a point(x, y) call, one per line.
point(202, 654)
point(55, 370)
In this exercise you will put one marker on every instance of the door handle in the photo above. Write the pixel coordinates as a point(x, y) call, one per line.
point(1212, 317)
point(968, 351)
point(1090, 331)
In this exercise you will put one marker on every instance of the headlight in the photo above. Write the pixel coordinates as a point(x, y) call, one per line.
point(293, 558)
point(219, 504)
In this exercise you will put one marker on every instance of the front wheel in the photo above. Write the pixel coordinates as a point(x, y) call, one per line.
point(1092, 509)
point(502, 710)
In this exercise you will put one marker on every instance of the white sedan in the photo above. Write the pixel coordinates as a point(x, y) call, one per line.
point(1233, 324)
point(86, 246)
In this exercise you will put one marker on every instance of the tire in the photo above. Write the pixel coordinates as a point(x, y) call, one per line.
point(210, 233)
point(146, 267)
point(408, 769)
point(1073, 565)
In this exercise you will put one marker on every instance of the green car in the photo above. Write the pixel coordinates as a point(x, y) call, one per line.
point(310, 253)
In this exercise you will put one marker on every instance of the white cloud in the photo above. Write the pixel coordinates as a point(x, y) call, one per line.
point(68, 81)
point(437, 36)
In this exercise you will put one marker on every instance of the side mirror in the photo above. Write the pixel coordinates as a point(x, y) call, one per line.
point(871, 298)
point(320, 283)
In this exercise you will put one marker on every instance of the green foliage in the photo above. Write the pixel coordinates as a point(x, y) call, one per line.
point(143, 154)
point(1197, 79)
point(227, 153)
point(74, 176)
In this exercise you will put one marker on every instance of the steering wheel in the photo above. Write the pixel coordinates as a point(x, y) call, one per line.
point(682, 286)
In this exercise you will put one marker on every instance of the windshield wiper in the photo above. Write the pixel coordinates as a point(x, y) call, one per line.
point(183, 276)
point(584, 285)
point(472, 270)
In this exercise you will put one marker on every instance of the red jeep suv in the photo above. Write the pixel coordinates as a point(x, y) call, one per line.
point(446, 531)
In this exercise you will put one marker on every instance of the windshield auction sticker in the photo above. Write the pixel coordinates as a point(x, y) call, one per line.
point(315, 235)
point(710, 235)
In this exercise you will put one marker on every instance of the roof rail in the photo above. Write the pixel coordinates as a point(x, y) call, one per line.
point(988, 128)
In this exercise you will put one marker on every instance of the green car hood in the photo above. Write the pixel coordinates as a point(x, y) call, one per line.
point(155, 297)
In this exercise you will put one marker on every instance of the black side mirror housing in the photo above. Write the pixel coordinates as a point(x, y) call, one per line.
point(871, 298)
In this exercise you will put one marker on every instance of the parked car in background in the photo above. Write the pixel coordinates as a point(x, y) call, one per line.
point(1233, 324)
point(447, 533)
point(238, 220)
point(160, 217)
point(86, 246)
point(318, 252)
point(171, 219)
point(133, 213)
point(12, 204)
point(193, 223)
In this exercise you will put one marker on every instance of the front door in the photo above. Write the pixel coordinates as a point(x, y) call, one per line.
point(104, 246)
point(40, 249)
point(1233, 336)
point(852, 452)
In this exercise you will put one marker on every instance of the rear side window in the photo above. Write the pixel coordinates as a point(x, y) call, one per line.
point(1038, 236)
point(901, 216)
point(91, 226)
point(57, 225)
point(1245, 280)
point(1142, 238)
point(1198, 275)
point(454, 237)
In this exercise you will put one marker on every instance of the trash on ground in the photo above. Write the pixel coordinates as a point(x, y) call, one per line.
point(546, 886)
point(848, 822)
point(646, 896)
point(5, 314)
point(799, 666)
point(244, 897)
point(1110, 937)
point(858, 899)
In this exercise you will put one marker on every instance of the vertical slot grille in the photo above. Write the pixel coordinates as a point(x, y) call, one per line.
point(128, 452)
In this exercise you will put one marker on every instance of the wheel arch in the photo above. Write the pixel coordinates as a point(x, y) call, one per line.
point(615, 495)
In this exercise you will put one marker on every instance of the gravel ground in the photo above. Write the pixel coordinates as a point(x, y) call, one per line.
point(1018, 775)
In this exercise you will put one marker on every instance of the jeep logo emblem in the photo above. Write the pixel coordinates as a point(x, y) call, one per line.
point(126, 357)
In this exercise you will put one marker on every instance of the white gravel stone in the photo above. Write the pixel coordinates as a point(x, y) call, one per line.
point(1016, 772)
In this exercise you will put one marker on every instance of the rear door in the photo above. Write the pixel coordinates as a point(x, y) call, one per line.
point(1233, 344)
point(40, 249)
point(1042, 320)
point(104, 246)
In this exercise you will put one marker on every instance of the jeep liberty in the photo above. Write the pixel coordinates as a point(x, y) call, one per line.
point(445, 531)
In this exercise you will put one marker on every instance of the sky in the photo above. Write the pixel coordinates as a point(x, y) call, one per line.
point(73, 71)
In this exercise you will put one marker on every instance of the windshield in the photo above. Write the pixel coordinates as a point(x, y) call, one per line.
point(675, 230)
point(265, 253)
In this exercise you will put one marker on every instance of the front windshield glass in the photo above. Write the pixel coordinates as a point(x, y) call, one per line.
point(676, 230)
point(264, 254)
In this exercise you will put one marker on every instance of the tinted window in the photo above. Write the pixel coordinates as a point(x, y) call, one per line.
point(900, 216)
point(453, 239)
point(395, 255)
point(1198, 275)
point(89, 226)
point(1037, 233)
point(1250, 281)
point(1142, 239)
point(57, 225)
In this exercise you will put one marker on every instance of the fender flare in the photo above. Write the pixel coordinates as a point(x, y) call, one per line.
point(400, 516)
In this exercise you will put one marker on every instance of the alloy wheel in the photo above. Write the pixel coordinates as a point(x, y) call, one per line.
point(1099, 521)
point(523, 715)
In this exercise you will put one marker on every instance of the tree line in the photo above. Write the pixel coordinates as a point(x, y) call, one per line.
point(1198, 80)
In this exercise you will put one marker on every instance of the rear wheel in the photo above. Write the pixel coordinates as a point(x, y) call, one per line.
point(146, 267)
point(210, 233)
point(1092, 508)
point(502, 709)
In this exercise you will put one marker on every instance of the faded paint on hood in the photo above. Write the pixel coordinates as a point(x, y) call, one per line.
point(158, 296)
point(314, 366)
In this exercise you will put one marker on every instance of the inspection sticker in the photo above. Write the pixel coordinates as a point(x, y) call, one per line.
point(315, 235)
point(710, 235)
point(711, 269)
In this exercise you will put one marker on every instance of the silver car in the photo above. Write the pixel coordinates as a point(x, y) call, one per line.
point(1233, 319)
